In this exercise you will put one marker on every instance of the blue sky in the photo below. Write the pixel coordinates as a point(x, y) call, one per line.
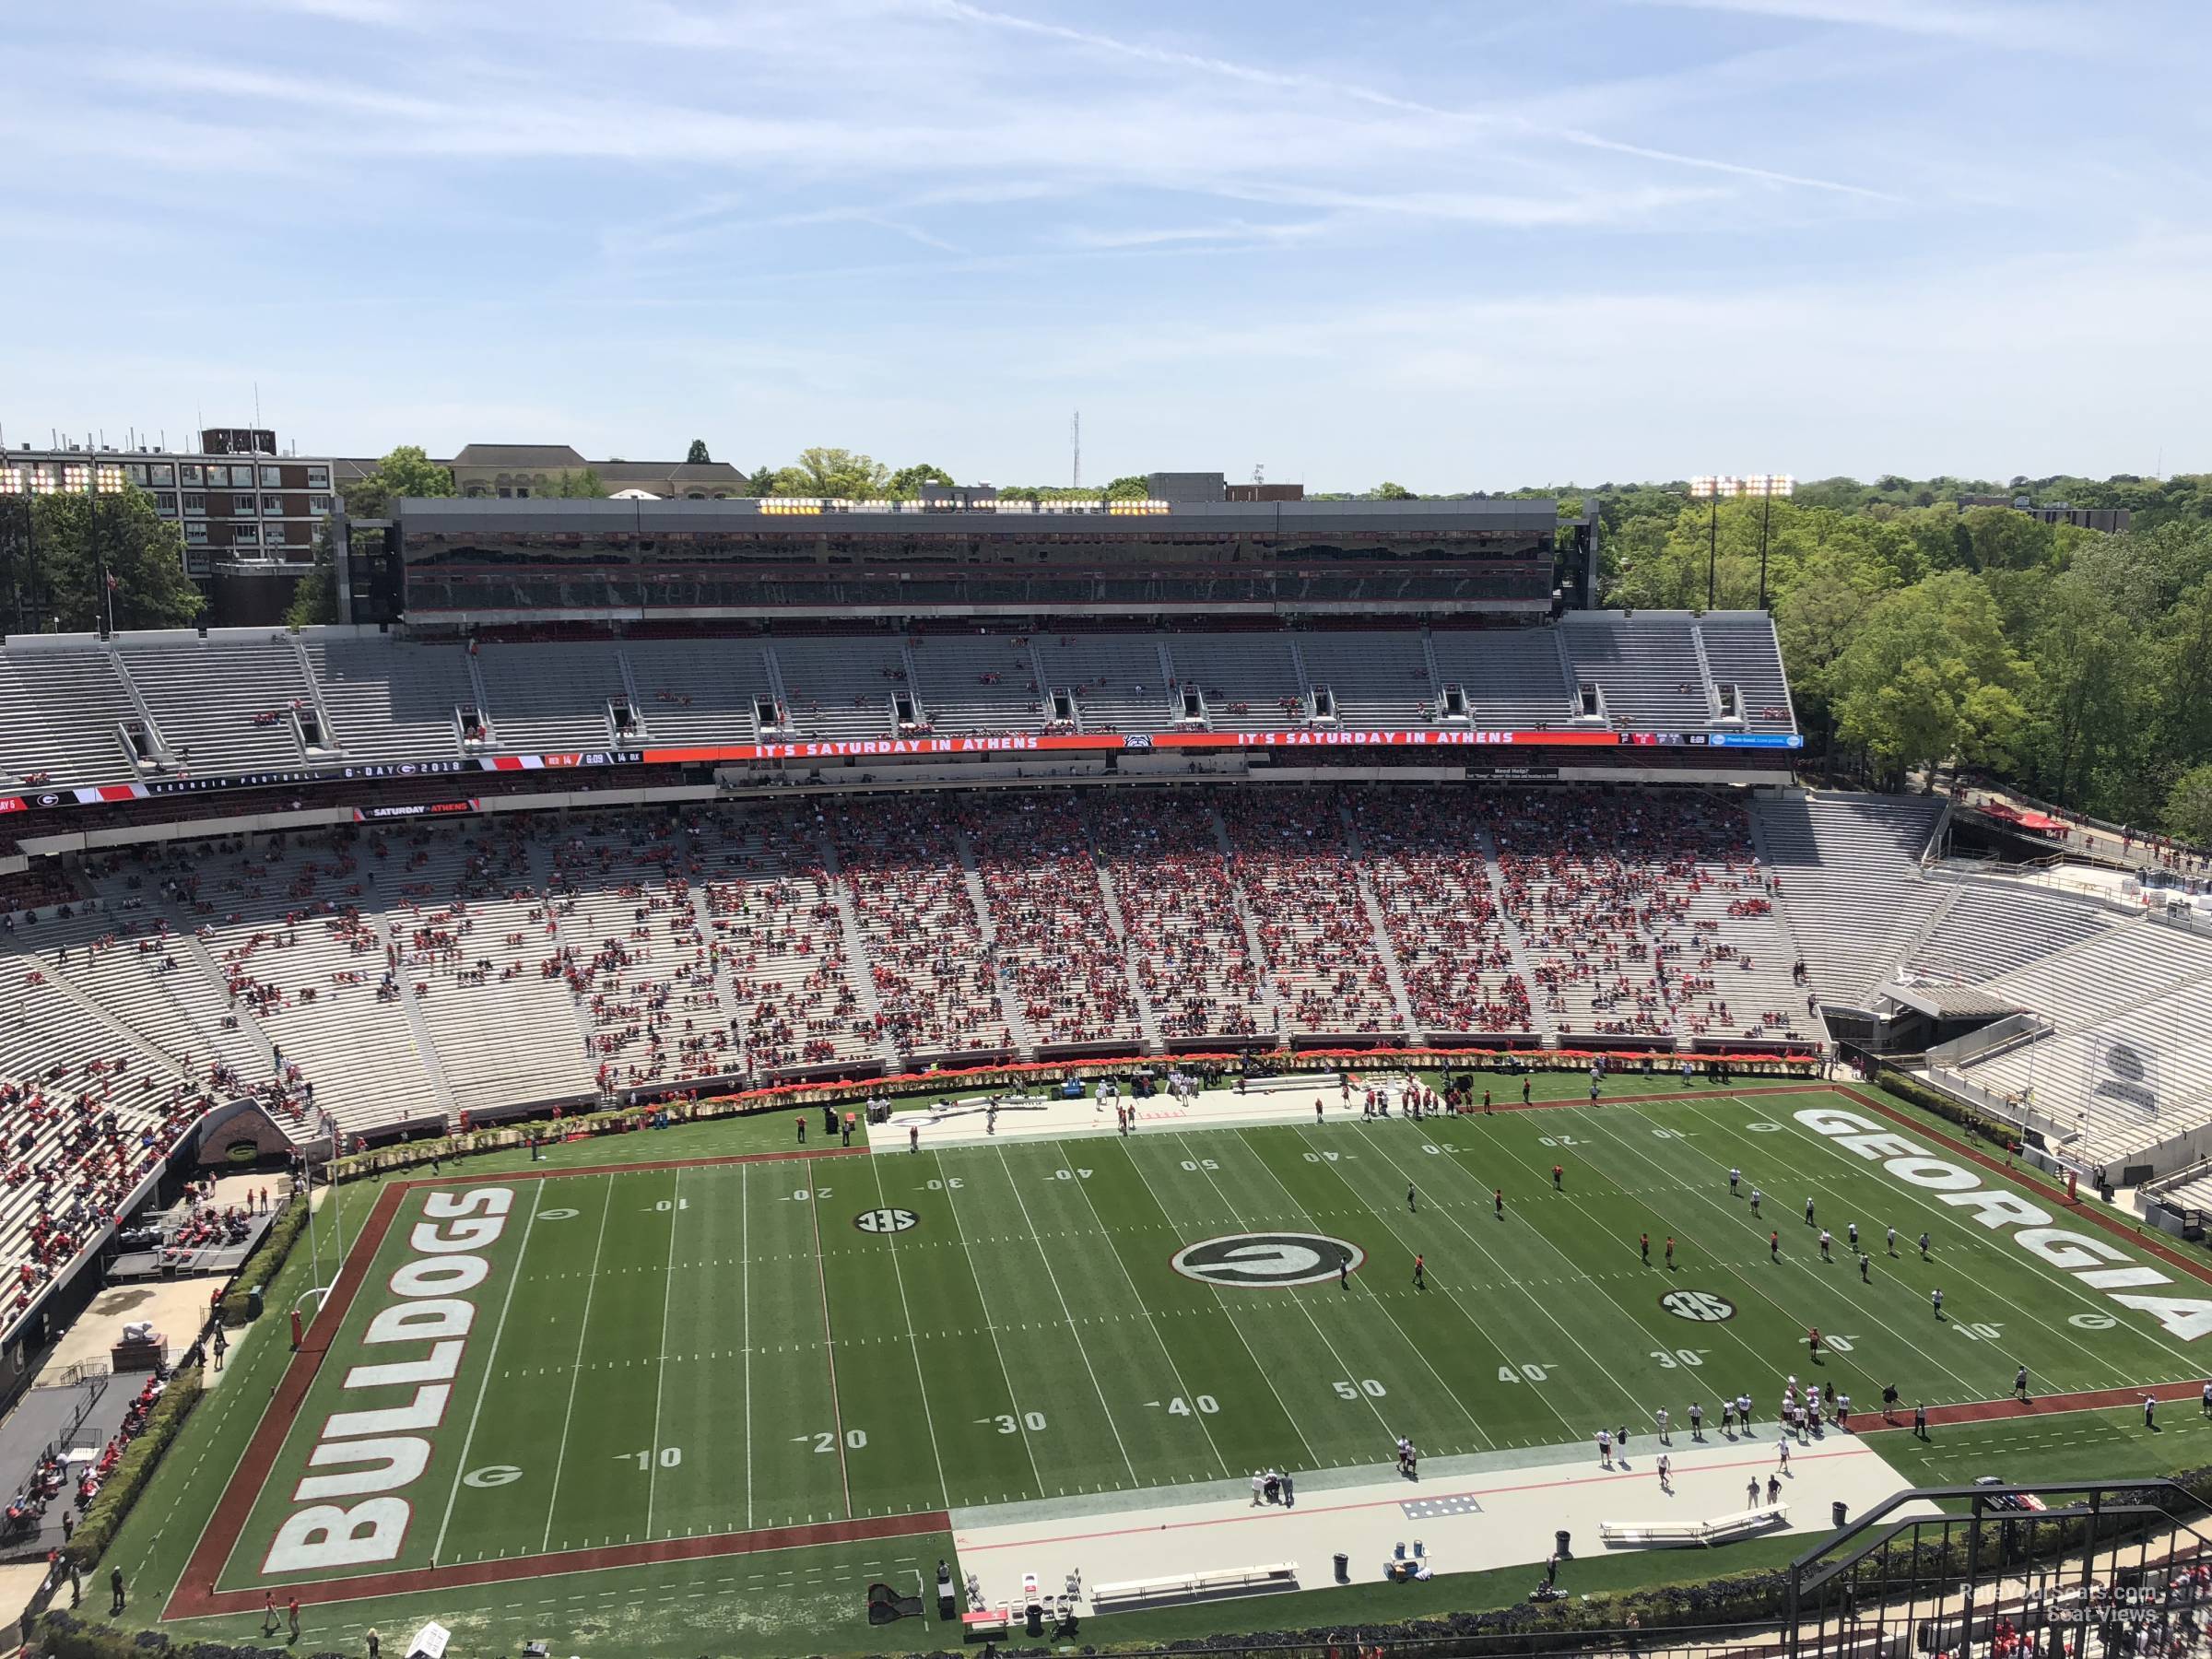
point(1467, 245)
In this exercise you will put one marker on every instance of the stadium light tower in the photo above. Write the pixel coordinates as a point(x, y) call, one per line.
point(1766, 486)
point(1706, 487)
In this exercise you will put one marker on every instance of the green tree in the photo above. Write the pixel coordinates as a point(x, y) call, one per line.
point(1387, 492)
point(761, 481)
point(315, 600)
point(906, 483)
point(697, 455)
point(836, 473)
point(93, 556)
point(1929, 679)
point(1135, 486)
point(2083, 686)
point(2189, 807)
point(1817, 619)
point(406, 470)
point(577, 486)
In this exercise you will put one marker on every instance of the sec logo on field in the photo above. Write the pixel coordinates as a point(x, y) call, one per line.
point(1267, 1261)
point(1700, 1305)
point(886, 1220)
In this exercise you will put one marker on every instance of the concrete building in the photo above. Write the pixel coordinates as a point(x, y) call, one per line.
point(518, 471)
point(238, 499)
point(2112, 520)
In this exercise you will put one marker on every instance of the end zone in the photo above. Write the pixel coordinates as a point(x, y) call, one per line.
point(196, 1595)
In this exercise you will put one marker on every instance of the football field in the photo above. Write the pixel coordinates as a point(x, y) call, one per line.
point(528, 1373)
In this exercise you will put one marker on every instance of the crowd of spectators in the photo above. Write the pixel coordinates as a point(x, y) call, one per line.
point(1430, 875)
point(1163, 854)
point(780, 940)
point(641, 949)
point(1646, 914)
point(1066, 963)
point(935, 978)
point(1288, 857)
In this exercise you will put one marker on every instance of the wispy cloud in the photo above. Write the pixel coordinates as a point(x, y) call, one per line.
point(1520, 126)
point(2026, 26)
point(1547, 236)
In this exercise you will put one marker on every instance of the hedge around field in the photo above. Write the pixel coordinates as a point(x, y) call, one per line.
point(1998, 1133)
point(267, 1256)
point(135, 1467)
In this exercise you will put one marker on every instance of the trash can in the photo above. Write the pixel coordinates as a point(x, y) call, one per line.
point(253, 1302)
point(1837, 1513)
point(1558, 1540)
point(1344, 1568)
point(1036, 1620)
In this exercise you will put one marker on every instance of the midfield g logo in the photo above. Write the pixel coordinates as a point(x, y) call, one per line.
point(1267, 1261)
point(1700, 1305)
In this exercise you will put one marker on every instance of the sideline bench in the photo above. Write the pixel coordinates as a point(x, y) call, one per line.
point(1195, 1586)
point(1668, 1534)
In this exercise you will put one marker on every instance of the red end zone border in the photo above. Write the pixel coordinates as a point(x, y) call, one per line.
point(196, 1597)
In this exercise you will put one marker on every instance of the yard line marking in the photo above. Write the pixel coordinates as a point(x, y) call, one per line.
point(1420, 1351)
point(745, 1281)
point(514, 1276)
point(1066, 1314)
point(1958, 1216)
point(1312, 1458)
point(1173, 1369)
point(837, 1408)
point(990, 1324)
point(582, 1327)
point(660, 1380)
point(1745, 1275)
point(913, 1346)
point(1240, 1221)
point(1389, 1221)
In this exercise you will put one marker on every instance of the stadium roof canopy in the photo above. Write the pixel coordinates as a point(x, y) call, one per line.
point(556, 515)
point(1954, 1002)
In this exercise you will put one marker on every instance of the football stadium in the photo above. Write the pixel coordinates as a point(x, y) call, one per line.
point(820, 1077)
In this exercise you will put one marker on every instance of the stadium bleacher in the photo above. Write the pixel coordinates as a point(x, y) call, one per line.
point(2123, 1065)
point(222, 703)
point(1848, 868)
point(1993, 927)
point(371, 977)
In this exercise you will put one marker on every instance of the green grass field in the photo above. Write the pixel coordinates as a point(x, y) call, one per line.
point(659, 1354)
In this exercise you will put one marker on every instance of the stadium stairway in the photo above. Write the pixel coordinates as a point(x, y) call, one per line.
point(1547, 1027)
point(1147, 1017)
point(1394, 973)
point(314, 692)
point(163, 1007)
point(856, 949)
point(1670, 987)
point(1277, 1020)
point(1712, 693)
point(440, 1088)
point(1002, 978)
point(209, 985)
point(114, 1023)
point(718, 976)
